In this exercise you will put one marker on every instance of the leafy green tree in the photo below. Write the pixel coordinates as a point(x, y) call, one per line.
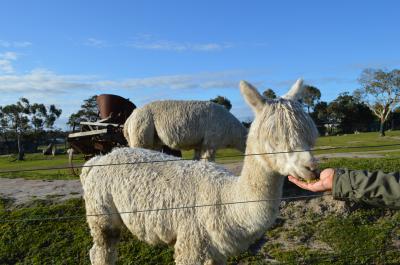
point(349, 113)
point(222, 101)
point(381, 92)
point(88, 112)
point(4, 128)
point(269, 94)
point(311, 96)
point(320, 116)
point(42, 117)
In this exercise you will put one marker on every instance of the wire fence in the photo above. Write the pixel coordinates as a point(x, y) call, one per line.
point(61, 218)
point(182, 159)
point(321, 258)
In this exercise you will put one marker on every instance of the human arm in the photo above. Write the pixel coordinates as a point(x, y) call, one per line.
point(373, 188)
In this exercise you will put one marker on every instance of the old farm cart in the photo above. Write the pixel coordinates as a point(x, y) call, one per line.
point(103, 135)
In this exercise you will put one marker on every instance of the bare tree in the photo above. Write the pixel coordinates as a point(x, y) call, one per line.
point(381, 92)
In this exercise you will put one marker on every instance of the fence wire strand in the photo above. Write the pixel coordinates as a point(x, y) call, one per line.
point(62, 218)
point(183, 159)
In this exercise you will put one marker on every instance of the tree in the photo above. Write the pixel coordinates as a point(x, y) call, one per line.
point(349, 114)
point(222, 101)
point(43, 117)
point(88, 112)
point(320, 116)
point(16, 118)
point(269, 94)
point(23, 116)
point(381, 92)
point(311, 96)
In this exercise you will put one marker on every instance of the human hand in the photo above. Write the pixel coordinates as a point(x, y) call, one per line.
point(324, 183)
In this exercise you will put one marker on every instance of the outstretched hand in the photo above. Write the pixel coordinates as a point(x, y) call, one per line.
point(324, 183)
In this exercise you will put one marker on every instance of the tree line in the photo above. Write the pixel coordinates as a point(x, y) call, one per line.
point(374, 104)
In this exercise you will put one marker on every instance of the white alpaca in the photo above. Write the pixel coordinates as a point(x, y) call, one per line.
point(200, 125)
point(203, 235)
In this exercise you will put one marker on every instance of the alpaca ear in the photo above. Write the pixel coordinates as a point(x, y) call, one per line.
point(252, 97)
point(296, 92)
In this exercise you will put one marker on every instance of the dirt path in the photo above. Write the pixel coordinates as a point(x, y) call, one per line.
point(22, 191)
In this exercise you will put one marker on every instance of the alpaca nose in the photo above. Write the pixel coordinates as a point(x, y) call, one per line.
point(312, 165)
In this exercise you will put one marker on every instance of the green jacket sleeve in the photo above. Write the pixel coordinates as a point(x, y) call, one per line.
point(373, 188)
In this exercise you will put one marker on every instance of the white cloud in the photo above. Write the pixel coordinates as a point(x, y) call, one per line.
point(15, 44)
point(45, 81)
point(208, 80)
point(149, 42)
point(6, 62)
point(166, 45)
point(93, 42)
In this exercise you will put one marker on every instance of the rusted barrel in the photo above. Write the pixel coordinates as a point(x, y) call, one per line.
point(115, 107)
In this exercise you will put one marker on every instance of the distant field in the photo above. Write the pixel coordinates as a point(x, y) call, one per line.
point(33, 161)
point(223, 156)
point(362, 139)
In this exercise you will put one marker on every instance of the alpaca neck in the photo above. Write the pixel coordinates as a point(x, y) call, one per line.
point(262, 187)
point(258, 182)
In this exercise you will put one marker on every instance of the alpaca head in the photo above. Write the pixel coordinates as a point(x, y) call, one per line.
point(281, 125)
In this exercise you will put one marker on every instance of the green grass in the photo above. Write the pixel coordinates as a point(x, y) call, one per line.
point(223, 156)
point(362, 139)
point(384, 164)
point(63, 242)
point(363, 237)
point(38, 160)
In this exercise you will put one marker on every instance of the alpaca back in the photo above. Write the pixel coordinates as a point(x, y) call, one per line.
point(139, 130)
point(188, 124)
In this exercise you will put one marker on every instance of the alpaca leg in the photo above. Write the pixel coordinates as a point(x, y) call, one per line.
point(105, 230)
point(190, 249)
point(208, 154)
point(105, 238)
point(197, 154)
point(187, 253)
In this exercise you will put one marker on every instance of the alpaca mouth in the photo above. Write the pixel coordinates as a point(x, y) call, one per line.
point(309, 180)
point(312, 177)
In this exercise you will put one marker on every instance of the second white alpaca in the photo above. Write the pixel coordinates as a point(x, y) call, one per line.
point(200, 235)
point(200, 125)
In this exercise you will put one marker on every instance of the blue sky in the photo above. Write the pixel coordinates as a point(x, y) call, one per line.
point(61, 52)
